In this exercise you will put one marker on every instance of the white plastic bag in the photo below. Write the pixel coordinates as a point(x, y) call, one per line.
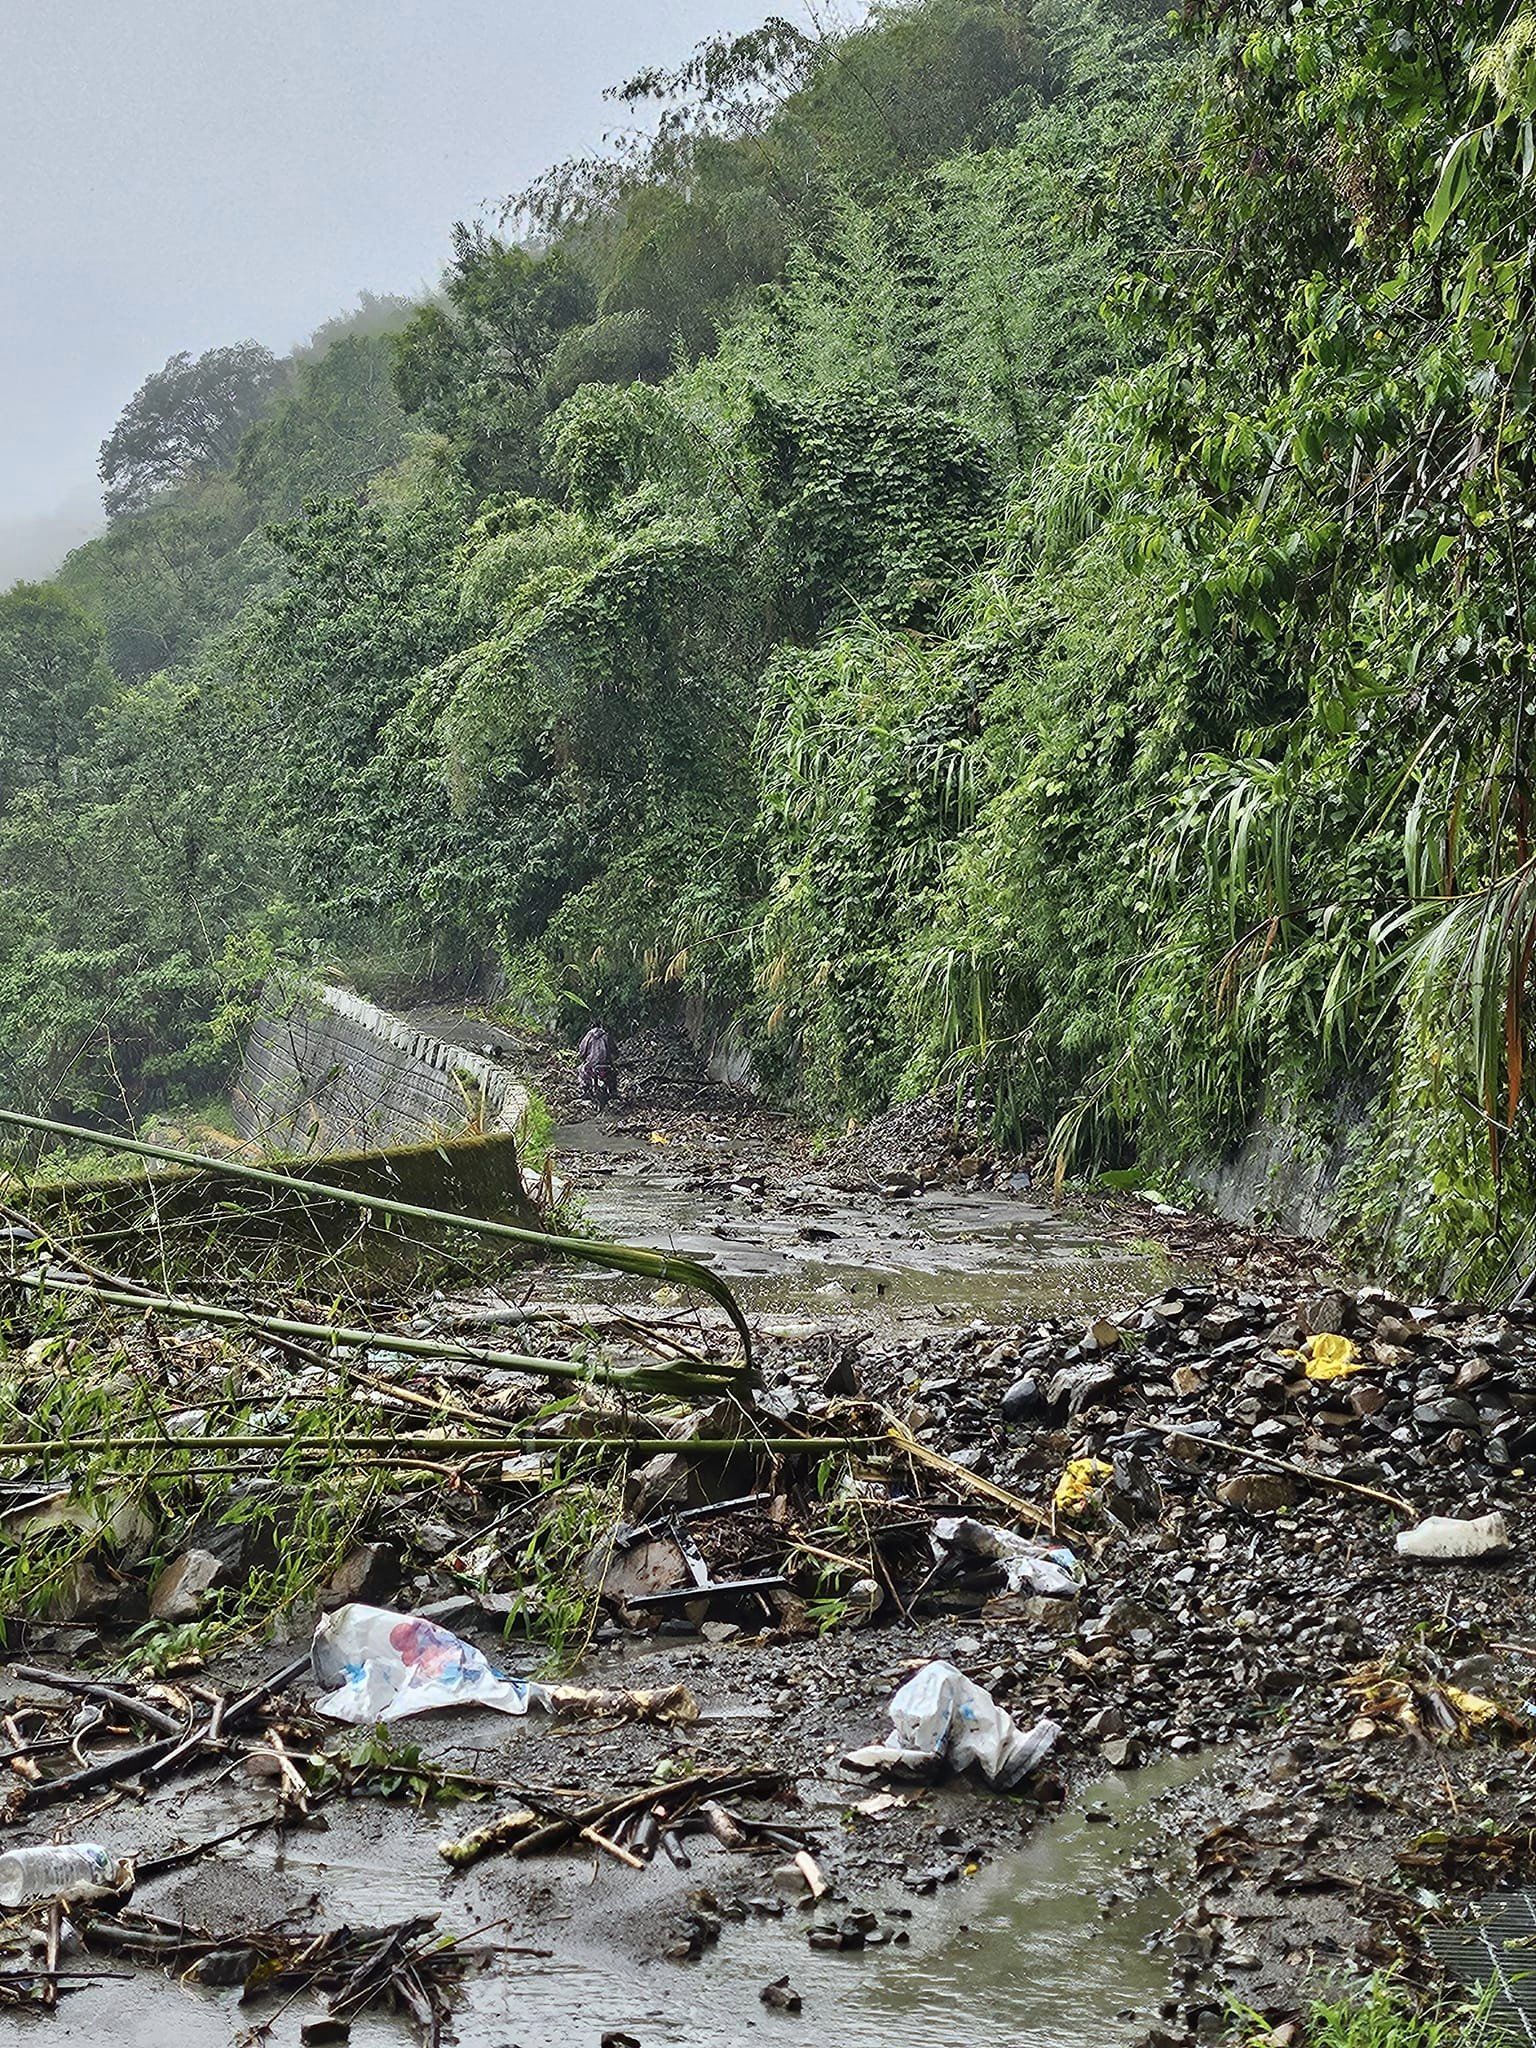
point(941, 1716)
point(1442, 1539)
point(1029, 1567)
point(384, 1666)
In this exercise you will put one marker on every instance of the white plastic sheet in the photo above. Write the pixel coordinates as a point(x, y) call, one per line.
point(942, 1717)
point(383, 1666)
point(1442, 1539)
point(1029, 1567)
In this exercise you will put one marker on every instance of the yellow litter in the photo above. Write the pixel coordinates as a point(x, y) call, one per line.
point(1079, 1481)
point(1330, 1357)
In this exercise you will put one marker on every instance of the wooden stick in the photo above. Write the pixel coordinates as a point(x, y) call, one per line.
point(1288, 1465)
point(89, 1689)
point(620, 1855)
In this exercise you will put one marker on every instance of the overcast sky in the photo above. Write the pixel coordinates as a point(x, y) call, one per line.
point(183, 173)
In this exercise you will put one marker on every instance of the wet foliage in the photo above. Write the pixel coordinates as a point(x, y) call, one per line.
point(989, 547)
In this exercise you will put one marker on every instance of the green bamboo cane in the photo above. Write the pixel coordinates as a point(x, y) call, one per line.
point(661, 1266)
point(436, 1446)
point(661, 1377)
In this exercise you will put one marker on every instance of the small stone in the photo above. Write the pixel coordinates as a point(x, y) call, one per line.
point(1259, 1493)
point(1188, 1379)
point(780, 1996)
point(179, 1593)
point(1023, 1400)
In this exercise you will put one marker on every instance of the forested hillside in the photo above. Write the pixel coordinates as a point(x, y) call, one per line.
point(991, 547)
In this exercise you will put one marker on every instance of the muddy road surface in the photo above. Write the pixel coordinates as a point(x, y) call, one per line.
point(1136, 1481)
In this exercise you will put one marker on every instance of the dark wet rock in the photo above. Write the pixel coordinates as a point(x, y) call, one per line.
point(780, 1996)
point(369, 1572)
point(227, 1966)
point(1076, 1386)
point(1023, 1401)
point(1329, 1312)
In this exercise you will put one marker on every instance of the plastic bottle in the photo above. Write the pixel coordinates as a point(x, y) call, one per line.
point(62, 1871)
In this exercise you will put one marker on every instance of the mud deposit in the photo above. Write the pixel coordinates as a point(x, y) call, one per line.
point(802, 1245)
point(947, 1369)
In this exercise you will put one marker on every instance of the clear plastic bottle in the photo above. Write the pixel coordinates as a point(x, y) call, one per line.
point(55, 1871)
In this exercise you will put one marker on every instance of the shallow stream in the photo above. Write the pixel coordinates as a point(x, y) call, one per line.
point(1030, 1952)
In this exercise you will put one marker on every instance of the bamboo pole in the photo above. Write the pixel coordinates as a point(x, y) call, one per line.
point(417, 1446)
point(663, 1266)
point(661, 1376)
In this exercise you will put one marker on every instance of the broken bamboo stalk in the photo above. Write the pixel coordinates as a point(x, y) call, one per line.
point(419, 1446)
point(661, 1266)
point(664, 1378)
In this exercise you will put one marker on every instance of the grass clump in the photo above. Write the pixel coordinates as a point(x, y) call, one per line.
point(1383, 2015)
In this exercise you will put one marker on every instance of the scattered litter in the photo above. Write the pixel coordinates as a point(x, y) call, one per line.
point(68, 1870)
point(1331, 1357)
point(1406, 1693)
point(942, 1717)
point(383, 1666)
point(1080, 1481)
point(1028, 1567)
point(1443, 1540)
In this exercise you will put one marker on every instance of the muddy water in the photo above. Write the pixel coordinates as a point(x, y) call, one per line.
point(941, 1256)
point(1020, 1956)
point(1026, 1953)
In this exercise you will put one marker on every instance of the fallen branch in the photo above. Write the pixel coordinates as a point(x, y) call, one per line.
point(89, 1689)
point(1287, 1465)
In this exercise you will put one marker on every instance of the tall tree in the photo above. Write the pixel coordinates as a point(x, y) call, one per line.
point(53, 673)
point(185, 420)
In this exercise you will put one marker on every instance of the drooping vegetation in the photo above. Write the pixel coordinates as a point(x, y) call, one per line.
point(990, 547)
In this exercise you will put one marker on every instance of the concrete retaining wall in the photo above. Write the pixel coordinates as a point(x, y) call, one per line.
point(328, 1072)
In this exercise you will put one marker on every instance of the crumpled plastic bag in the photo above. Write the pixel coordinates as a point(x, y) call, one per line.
point(1331, 1357)
point(1028, 1567)
point(1080, 1480)
point(1443, 1539)
point(383, 1666)
point(942, 1717)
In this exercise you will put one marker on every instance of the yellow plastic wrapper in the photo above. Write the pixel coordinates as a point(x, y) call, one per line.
point(1079, 1480)
point(1332, 1358)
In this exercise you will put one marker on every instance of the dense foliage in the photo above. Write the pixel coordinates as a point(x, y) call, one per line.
point(990, 547)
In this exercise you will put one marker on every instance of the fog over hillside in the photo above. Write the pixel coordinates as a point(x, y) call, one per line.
point(33, 545)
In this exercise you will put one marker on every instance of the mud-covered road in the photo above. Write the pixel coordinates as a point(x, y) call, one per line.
point(1282, 1745)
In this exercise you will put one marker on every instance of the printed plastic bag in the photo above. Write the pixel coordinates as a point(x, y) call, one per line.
point(941, 1716)
point(1029, 1567)
point(384, 1666)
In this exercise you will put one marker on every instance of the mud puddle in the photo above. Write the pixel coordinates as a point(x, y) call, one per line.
point(941, 1256)
point(1049, 1945)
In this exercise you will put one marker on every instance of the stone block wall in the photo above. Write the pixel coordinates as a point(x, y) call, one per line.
point(328, 1072)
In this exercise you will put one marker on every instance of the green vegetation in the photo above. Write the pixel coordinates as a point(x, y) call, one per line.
point(990, 546)
point(1381, 2017)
